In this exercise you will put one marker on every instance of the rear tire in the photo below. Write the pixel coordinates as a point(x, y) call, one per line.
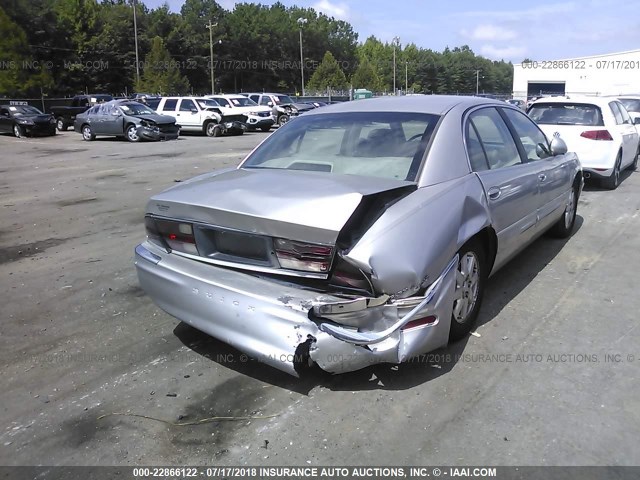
point(87, 133)
point(471, 277)
point(60, 125)
point(563, 228)
point(634, 165)
point(612, 182)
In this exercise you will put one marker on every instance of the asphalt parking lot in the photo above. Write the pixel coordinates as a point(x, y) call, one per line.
point(551, 376)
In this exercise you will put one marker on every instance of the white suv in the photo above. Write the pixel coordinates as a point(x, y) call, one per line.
point(598, 129)
point(193, 114)
point(258, 117)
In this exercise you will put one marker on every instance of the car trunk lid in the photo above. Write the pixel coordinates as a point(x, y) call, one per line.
point(296, 205)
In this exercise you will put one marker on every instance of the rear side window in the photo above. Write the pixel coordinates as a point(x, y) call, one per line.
point(616, 113)
point(626, 119)
point(170, 105)
point(496, 140)
point(566, 114)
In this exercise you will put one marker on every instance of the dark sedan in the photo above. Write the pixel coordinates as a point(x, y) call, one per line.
point(126, 118)
point(24, 120)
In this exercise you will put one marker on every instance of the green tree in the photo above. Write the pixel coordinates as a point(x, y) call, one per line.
point(366, 76)
point(327, 75)
point(161, 73)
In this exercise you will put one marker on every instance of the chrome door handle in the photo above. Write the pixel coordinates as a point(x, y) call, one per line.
point(542, 177)
point(494, 193)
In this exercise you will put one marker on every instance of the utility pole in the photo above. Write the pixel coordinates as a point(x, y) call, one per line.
point(301, 22)
point(406, 77)
point(478, 81)
point(396, 41)
point(210, 27)
point(135, 36)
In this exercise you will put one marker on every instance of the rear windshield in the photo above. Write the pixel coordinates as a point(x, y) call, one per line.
point(566, 114)
point(631, 104)
point(372, 144)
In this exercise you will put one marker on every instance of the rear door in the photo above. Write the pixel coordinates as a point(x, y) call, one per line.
point(629, 134)
point(511, 185)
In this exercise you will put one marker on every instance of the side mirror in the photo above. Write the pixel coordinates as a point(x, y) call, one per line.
point(270, 104)
point(558, 146)
point(115, 113)
point(194, 110)
point(542, 151)
point(636, 120)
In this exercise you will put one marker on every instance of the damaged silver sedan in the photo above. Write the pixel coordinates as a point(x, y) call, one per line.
point(359, 233)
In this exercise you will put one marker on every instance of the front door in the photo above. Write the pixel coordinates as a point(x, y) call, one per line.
point(510, 185)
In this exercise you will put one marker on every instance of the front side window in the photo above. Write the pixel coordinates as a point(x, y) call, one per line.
point(374, 144)
point(187, 105)
point(631, 104)
point(496, 140)
point(531, 137)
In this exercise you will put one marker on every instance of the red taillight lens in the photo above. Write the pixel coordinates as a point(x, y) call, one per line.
point(175, 235)
point(307, 257)
point(346, 275)
point(420, 322)
point(597, 135)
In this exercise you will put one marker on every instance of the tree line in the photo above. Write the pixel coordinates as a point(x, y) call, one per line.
point(63, 47)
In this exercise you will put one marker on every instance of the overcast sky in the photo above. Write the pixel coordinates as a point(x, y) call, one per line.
point(497, 29)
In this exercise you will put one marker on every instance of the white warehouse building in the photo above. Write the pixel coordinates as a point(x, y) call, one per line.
point(610, 74)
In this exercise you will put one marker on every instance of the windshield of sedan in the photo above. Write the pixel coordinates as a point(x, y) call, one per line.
point(566, 114)
point(136, 109)
point(279, 99)
point(24, 110)
point(373, 144)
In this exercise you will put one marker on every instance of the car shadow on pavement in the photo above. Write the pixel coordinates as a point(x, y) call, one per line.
point(594, 185)
point(501, 289)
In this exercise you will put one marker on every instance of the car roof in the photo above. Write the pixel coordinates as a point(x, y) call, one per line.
point(434, 104)
point(228, 95)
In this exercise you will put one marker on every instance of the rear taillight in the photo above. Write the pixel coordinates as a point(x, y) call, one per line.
point(303, 256)
point(174, 235)
point(419, 322)
point(346, 275)
point(597, 135)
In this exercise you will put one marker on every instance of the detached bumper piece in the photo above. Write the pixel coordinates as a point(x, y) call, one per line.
point(272, 321)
